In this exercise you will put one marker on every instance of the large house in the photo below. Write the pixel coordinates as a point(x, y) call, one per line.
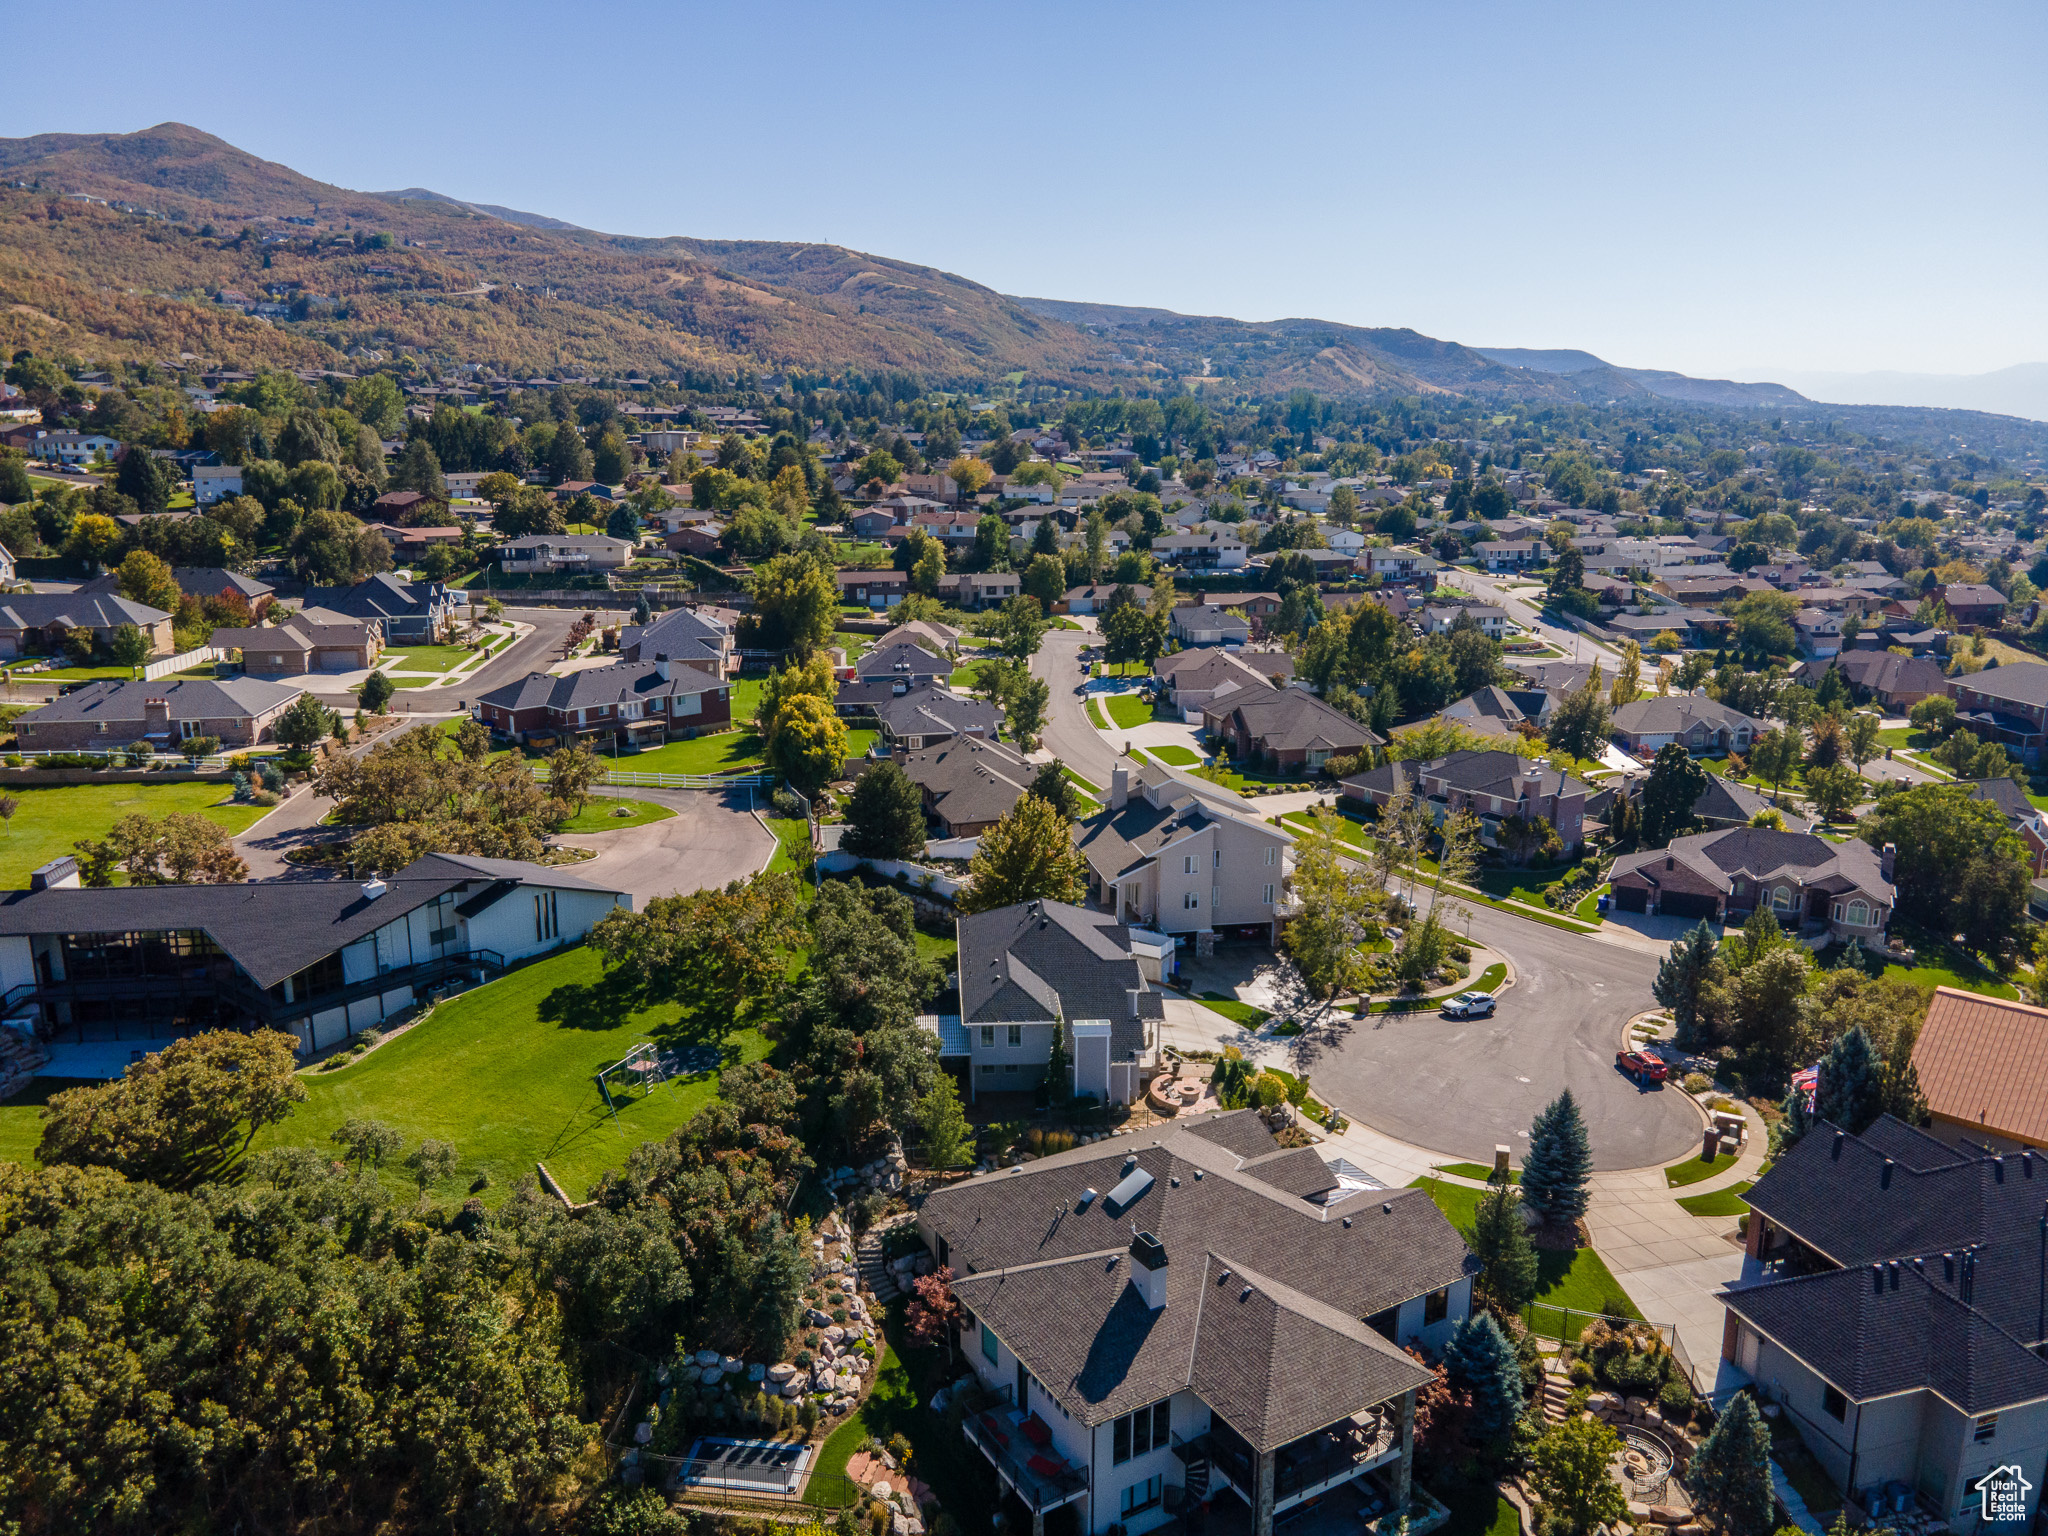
point(1029, 969)
point(1285, 727)
point(319, 959)
point(101, 716)
point(925, 715)
point(417, 611)
point(551, 552)
point(2003, 704)
point(695, 636)
point(1195, 1317)
point(968, 783)
point(1698, 723)
point(298, 645)
point(1192, 678)
point(1213, 550)
point(635, 702)
point(1842, 889)
point(1494, 786)
point(903, 661)
point(1895, 683)
point(1198, 624)
point(36, 623)
point(1983, 1069)
point(1973, 604)
point(1185, 856)
point(1891, 1307)
point(873, 589)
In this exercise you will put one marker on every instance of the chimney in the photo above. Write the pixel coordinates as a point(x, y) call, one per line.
point(156, 712)
point(1886, 858)
point(1119, 787)
point(1877, 1279)
point(372, 889)
point(1148, 1269)
point(1884, 1176)
point(661, 666)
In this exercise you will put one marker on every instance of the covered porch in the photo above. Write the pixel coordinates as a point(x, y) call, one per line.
point(1367, 1455)
point(1020, 1449)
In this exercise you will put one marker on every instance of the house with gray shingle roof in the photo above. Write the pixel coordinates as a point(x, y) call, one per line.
point(35, 623)
point(969, 783)
point(1890, 1305)
point(1286, 727)
point(102, 716)
point(638, 703)
point(1699, 723)
point(1812, 885)
point(1195, 1314)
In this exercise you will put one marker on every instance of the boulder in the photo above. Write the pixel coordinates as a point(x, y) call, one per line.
point(1691, 1528)
point(1638, 1512)
point(795, 1387)
point(757, 1373)
point(817, 1319)
point(710, 1375)
point(731, 1365)
point(707, 1357)
point(780, 1373)
point(880, 1489)
point(835, 1333)
point(1669, 1514)
point(643, 1432)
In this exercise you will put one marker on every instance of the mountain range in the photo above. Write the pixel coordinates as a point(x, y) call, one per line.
point(113, 245)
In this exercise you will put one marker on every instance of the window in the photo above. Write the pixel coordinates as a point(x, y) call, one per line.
point(1781, 898)
point(546, 922)
point(1148, 1429)
point(988, 1344)
point(1834, 1405)
point(988, 1034)
point(1219, 860)
point(1436, 1306)
point(1187, 864)
point(1267, 898)
point(1016, 1035)
point(1987, 1429)
point(1859, 914)
point(1191, 902)
point(1010, 1066)
point(988, 1069)
point(1142, 1496)
point(1272, 856)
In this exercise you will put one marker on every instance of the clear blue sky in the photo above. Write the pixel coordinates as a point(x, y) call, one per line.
point(1712, 187)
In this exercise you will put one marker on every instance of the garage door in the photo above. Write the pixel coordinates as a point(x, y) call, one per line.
point(1686, 904)
point(1631, 901)
point(339, 661)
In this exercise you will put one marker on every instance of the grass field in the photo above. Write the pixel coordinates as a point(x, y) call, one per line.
point(1579, 1281)
point(1722, 1202)
point(1694, 1169)
point(1174, 757)
point(53, 817)
point(1475, 1171)
point(1127, 710)
point(1095, 715)
point(727, 752)
point(505, 1073)
point(21, 1118)
point(602, 814)
point(81, 674)
point(1238, 1013)
point(888, 1406)
point(425, 658)
point(792, 842)
point(962, 677)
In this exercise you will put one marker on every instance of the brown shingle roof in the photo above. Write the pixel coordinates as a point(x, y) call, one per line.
point(1984, 1061)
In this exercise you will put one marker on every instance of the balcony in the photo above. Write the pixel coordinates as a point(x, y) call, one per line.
point(1029, 1468)
point(1303, 1469)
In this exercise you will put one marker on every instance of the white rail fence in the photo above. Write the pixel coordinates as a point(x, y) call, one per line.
point(181, 661)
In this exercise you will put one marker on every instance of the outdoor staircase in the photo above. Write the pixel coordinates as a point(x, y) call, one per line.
point(21, 1057)
point(1557, 1387)
point(1197, 1480)
point(872, 1265)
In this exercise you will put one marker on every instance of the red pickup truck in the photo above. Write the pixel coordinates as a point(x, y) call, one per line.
point(1642, 1066)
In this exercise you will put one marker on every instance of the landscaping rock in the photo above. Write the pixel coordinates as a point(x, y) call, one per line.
point(1669, 1514)
point(1638, 1512)
point(794, 1388)
point(707, 1357)
point(835, 1333)
point(643, 1432)
point(880, 1489)
point(780, 1373)
point(711, 1375)
point(731, 1365)
point(757, 1373)
point(817, 1319)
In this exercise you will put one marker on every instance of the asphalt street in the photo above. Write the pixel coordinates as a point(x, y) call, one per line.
point(531, 653)
point(1068, 735)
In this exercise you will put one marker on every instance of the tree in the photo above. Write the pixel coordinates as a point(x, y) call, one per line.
point(720, 947)
point(1852, 1088)
point(1763, 622)
point(181, 848)
point(1628, 677)
point(304, 725)
point(1558, 1163)
point(969, 474)
point(1774, 755)
point(1580, 723)
point(796, 605)
point(93, 538)
point(1940, 830)
point(1828, 743)
point(1026, 856)
point(1569, 1467)
point(948, 1138)
point(1324, 937)
point(1124, 630)
point(933, 1313)
point(1509, 1275)
point(377, 692)
point(1863, 732)
point(1672, 789)
point(1685, 978)
point(1045, 578)
point(1935, 715)
point(145, 480)
point(334, 549)
point(1052, 785)
point(884, 815)
point(1761, 1000)
point(433, 1162)
point(1833, 791)
point(365, 1142)
point(171, 1117)
point(419, 469)
point(1731, 1471)
point(1059, 1066)
point(1025, 709)
point(1017, 627)
point(146, 579)
point(808, 743)
point(1481, 1363)
point(129, 645)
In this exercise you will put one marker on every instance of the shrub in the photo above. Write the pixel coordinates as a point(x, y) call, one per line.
point(803, 1360)
point(1675, 1400)
point(1697, 1082)
point(1582, 1373)
point(787, 805)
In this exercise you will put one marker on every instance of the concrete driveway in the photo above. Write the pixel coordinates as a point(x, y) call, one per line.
point(711, 839)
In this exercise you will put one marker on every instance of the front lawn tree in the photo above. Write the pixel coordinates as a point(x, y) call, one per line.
point(1559, 1162)
point(1685, 978)
point(1052, 785)
point(1579, 726)
point(1480, 1361)
point(304, 725)
point(884, 815)
point(1333, 901)
point(377, 691)
point(1026, 856)
point(1673, 788)
point(1731, 1471)
point(1508, 1275)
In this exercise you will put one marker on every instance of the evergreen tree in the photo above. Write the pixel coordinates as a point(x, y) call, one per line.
point(643, 610)
point(1052, 785)
point(1558, 1163)
point(1796, 1122)
point(418, 469)
point(145, 479)
point(1851, 1093)
point(1674, 786)
point(884, 815)
point(1731, 1471)
point(1902, 1095)
point(1481, 1362)
point(948, 1138)
point(1681, 979)
point(1059, 1066)
point(1508, 1272)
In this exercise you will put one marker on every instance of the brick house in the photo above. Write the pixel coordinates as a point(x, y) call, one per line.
point(102, 716)
point(2006, 704)
point(1494, 786)
point(299, 646)
point(694, 636)
point(35, 623)
point(1700, 724)
point(1284, 727)
point(1810, 884)
point(1972, 603)
point(637, 703)
point(873, 589)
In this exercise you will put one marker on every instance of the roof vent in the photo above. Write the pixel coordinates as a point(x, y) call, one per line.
point(1884, 1175)
point(1245, 1294)
point(372, 889)
point(1998, 1170)
point(1347, 1221)
point(1386, 1207)
point(1087, 1199)
point(1198, 1175)
point(1877, 1279)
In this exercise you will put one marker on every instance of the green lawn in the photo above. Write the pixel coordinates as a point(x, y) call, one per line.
point(603, 814)
point(792, 842)
point(1693, 1169)
point(21, 1118)
point(1722, 1202)
point(727, 752)
point(1477, 1509)
point(1348, 828)
point(80, 674)
point(942, 952)
point(1579, 1281)
point(1128, 710)
point(51, 818)
point(1475, 1171)
point(504, 1073)
point(1080, 783)
point(1937, 963)
point(1238, 1013)
point(1174, 757)
point(891, 1401)
point(425, 658)
point(963, 676)
point(1095, 716)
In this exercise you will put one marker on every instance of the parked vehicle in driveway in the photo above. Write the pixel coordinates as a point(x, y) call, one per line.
point(1469, 1005)
point(1642, 1066)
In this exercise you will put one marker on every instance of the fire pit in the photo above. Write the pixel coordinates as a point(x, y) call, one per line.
point(1644, 1467)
